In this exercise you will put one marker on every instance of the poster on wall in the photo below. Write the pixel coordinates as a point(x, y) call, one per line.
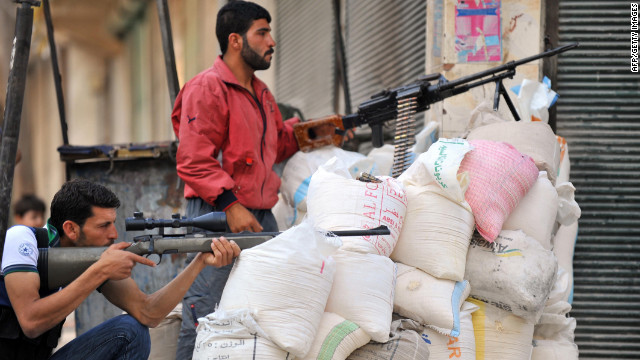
point(478, 37)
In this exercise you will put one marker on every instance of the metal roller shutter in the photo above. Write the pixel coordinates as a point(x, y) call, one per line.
point(306, 56)
point(598, 112)
point(385, 46)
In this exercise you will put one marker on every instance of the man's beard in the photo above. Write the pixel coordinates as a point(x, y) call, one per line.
point(252, 58)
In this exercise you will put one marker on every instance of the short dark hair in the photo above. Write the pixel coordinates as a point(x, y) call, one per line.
point(237, 17)
point(74, 201)
point(28, 202)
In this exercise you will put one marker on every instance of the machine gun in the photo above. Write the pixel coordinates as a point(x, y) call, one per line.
point(60, 266)
point(402, 103)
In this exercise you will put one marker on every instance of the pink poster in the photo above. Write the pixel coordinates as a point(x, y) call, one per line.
point(478, 37)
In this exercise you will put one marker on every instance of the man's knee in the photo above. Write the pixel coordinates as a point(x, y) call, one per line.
point(133, 330)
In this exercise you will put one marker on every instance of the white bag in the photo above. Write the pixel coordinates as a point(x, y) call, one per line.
point(568, 209)
point(565, 163)
point(536, 212)
point(363, 291)
point(436, 233)
point(164, 337)
point(564, 244)
point(337, 202)
point(430, 301)
point(336, 339)
point(285, 215)
point(555, 325)
point(233, 335)
point(514, 273)
point(405, 343)
point(462, 347)
point(500, 335)
point(287, 280)
point(554, 350)
point(299, 168)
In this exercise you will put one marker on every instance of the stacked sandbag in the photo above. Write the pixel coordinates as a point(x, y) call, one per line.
point(286, 281)
point(553, 336)
point(499, 177)
point(514, 273)
point(405, 343)
point(439, 223)
point(535, 139)
point(336, 338)
point(441, 312)
point(297, 174)
point(338, 202)
point(499, 334)
point(234, 335)
point(462, 346)
point(164, 337)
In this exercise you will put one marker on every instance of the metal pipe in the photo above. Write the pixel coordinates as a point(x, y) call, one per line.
point(13, 110)
point(167, 45)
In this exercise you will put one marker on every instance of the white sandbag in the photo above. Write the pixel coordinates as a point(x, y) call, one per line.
point(568, 209)
point(164, 337)
point(514, 273)
point(378, 162)
point(554, 324)
point(426, 137)
point(336, 338)
point(535, 139)
point(564, 243)
point(562, 288)
point(287, 280)
point(445, 297)
point(337, 202)
point(299, 168)
point(436, 233)
point(500, 335)
point(285, 215)
point(536, 212)
point(462, 347)
point(483, 114)
point(405, 343)
point(565, 163)
point(554, 350)
point(363, 291)
point(233, 335)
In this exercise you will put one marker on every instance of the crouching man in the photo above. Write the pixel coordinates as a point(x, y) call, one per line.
point(84, 214)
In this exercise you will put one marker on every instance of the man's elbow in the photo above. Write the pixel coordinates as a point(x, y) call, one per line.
point(32, 330)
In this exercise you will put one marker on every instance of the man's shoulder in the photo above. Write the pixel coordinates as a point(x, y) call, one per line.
point(209, 78)
point(20, 249)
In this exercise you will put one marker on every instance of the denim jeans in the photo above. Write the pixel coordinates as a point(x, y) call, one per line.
point(205, 292)
point(121, 338)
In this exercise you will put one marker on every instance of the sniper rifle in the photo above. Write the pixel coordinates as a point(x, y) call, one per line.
point(60, 266)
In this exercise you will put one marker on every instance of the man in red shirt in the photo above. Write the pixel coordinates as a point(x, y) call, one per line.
point(231, 134)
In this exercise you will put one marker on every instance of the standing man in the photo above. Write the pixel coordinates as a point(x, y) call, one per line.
point(231, 134)
point(83, 214)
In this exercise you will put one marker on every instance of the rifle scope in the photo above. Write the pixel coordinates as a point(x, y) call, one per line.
point(213, 221)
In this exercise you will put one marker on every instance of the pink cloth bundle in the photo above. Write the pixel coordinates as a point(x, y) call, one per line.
point(499, 176)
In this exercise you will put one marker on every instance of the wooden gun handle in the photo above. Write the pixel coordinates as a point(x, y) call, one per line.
point(317, 133)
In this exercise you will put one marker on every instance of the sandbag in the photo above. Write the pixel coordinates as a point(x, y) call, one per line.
point(564, 243)
point(362, 291)
point(536, 212)
point(285, 215)
point(405, 343)
point(336, 338)
point(462, 347)
point(568, 209)
point(499, 177)
point(562, 288)
point(435, 234)
point(233, 335)
point(430, 301)
point(554, 324)
point(515, 273)
point(499, 334)
point(535, 139)
point(164, 337)
point(287, 280)
point(554, 350)
point(299, 168)
point(337, 202)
